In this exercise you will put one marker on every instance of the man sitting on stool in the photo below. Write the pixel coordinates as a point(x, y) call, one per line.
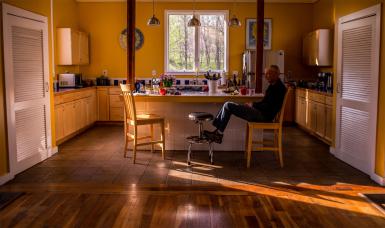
point(263, 111)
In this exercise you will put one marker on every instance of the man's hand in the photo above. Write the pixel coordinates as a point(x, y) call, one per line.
point(250, 104)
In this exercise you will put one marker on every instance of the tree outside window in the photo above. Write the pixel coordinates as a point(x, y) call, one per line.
point(203, 48)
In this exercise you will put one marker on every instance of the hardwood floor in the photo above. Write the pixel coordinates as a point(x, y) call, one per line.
point(89, 184)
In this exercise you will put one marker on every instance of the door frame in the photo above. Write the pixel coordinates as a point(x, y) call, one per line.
point(365, 13)
point(9, 83)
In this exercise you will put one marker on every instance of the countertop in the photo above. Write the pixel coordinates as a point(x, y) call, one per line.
point(72, 90)
point(316, 91)
point(200, 97)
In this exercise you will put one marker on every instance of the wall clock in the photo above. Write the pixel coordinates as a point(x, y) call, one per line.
point(139, 39)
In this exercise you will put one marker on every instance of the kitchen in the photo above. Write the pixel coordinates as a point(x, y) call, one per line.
point(97, 111)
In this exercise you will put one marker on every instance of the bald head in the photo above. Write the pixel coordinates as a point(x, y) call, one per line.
point(272, 74)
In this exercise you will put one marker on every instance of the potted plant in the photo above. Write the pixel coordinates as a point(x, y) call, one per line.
point(167, 80)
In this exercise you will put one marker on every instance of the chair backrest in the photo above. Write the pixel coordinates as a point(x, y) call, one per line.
point(129, 102)
point(279, 117)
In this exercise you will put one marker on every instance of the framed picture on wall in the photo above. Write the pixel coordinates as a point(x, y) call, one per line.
point(251, 33)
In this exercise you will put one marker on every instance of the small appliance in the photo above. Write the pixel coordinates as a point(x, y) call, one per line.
point(70, 80)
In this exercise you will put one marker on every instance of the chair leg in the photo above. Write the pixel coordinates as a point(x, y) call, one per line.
point(152, 137)
point(249, 144)
point(280, 147)
point(126, 130)
point(276, 153)
point(163, 139)
point(247, 140)
point(134, 146)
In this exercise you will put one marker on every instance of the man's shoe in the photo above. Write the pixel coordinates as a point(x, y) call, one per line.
point(214, 136)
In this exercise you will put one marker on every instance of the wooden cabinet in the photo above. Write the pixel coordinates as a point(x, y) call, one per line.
point(72, 47)
point(69, 123)
point(301, 112)
point(314, 113)
point(329, 122)
point(103, 104)
point(74, 111)
point(320, 119)
point(59, 109)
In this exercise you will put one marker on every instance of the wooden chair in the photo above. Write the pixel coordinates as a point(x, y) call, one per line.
point(276, 126)
point(132, 119)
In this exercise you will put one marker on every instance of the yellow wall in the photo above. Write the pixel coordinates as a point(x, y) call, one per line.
point(105, 21)
point(327, 13)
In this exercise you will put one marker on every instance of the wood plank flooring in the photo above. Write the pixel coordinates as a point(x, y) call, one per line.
point(89, 184)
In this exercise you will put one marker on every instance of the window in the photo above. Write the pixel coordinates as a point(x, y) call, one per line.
point(188, 48)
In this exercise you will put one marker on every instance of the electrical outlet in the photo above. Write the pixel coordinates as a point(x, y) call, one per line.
point(105, 72)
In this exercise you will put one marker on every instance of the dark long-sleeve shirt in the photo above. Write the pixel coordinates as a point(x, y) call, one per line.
point(272, 102)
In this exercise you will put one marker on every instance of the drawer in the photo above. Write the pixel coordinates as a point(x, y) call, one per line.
point(58, 100)
point(116, 114)
point(115, 91)
point(329, 100)
point(300, 92)
point(71, 97)
point(317, 97)
point(116, 101)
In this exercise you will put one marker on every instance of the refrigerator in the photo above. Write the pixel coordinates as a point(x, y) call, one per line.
point(269, 58)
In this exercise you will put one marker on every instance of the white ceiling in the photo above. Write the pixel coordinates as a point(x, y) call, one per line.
point(277, 1)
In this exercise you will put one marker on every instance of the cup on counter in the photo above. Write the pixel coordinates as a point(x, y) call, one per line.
point(251, 92)
point(243, 90)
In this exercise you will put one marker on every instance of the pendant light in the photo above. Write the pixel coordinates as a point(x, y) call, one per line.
point(194, 22)
point(153, 21)
point(234, 21)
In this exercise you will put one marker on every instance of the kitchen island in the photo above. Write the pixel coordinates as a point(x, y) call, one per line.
point(174, 108)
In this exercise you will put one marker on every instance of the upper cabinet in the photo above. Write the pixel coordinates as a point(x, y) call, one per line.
point(318, 48)
point(72, 47)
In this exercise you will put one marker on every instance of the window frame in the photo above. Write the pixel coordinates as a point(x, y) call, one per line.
point(196, 38)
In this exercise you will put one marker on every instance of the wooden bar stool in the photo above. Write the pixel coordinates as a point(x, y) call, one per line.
point(133, 119)
point(276, 126)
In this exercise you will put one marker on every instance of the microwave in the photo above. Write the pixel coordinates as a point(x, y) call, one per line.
point(70, 80)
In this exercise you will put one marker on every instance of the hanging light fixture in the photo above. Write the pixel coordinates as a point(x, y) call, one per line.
point(194, 22)
point(234, 21)
point(153, 21)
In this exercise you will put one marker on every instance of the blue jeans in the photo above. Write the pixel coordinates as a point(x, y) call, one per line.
point(242, 111)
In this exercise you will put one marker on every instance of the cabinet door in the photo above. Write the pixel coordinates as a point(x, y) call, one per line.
point(83, 48)
point(320, 119)
point(69, 125)
point(297, 109)
point(312, 116)
point(103, 105)
point(80, 120)
point(328, 123)
point(75, 48)
point(302, 109)
point(59, 124)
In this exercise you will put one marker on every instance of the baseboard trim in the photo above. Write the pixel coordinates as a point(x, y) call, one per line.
point(378, 179)
point(5, 178)
point(54, 150)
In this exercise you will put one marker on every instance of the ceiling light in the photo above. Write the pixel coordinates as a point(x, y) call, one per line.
point(153, 21)
point(234, 21)
point(194, 22)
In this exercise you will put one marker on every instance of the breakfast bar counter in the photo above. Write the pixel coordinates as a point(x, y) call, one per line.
point(175, 110)
point(198, 97)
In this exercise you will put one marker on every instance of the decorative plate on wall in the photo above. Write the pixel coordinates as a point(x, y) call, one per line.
point(139, 39)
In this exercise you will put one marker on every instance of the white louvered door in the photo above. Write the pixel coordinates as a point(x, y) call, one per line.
point(26, 76)
point(357, 90)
